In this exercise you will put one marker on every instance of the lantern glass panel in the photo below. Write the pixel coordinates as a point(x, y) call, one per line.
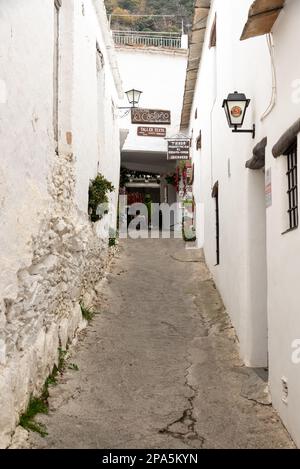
point(236, 111)
point(133, 96)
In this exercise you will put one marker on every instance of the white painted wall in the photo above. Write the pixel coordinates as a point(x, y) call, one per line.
point(94, 117)
point(256, 283)
point(242, 268)
point(50, 252)
point(283, 260)
point(160, 74)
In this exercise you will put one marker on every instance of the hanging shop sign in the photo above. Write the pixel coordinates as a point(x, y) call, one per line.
point(152, 131)
point(150, 116)
point(179, 149)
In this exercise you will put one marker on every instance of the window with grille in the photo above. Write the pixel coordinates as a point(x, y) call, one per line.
point(292, 192)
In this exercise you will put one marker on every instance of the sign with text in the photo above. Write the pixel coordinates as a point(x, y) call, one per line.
point(152, 131)
point(178, 149)
point(150, 116)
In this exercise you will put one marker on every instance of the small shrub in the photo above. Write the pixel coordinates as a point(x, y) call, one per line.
point(98, 190)
point(171, 179)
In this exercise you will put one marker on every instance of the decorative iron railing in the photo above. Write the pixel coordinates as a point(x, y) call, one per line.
point(148, 39)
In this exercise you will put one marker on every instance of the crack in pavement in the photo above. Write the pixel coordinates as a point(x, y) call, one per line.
point(157, 367)
point(183, 428)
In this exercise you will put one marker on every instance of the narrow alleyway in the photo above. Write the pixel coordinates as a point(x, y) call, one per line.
point(158, 366)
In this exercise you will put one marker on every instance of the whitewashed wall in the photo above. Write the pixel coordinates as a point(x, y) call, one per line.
point(241, 273)
point(259, 268)
point(50, 252)
point(160, 75)
point(283, 258)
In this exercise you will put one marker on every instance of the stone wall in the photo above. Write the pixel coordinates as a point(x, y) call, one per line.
point(51, 254)
point(67, 260)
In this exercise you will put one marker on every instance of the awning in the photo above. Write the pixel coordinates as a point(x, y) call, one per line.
point(259, 155)
point(202, 8)
point(286, 140)
point(262, 16)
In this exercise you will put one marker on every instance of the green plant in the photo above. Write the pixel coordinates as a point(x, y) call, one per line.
point(171, 179)
point(113, 237)
point(124, 178)
point(39, 405)
point(87, 313)
point(98, 190)
point(73, 366)
point(52, 378)
point(112, 242)
point(36, 406)
point(182, 9)
point(61, 358)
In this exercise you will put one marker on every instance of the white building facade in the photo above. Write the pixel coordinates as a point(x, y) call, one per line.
point(157, 68)
point(59, 92)
point(249, 187)
point(159, 73)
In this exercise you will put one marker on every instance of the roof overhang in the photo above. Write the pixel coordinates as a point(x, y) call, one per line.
point(286, 140)
point(258, 159)
point(202, 9)
point(261, 18)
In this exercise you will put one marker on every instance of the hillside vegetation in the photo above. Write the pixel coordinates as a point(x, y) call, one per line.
point(181, 9)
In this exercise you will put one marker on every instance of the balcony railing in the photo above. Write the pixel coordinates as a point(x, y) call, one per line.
point(148, 39)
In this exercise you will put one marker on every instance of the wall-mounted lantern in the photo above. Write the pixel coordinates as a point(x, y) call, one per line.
point(133, 97)
point(235, 107)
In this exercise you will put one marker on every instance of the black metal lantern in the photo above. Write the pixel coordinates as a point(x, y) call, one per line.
point(235, 107)
point(133, 96)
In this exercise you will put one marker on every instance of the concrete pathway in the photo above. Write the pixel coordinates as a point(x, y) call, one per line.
point(158, 367)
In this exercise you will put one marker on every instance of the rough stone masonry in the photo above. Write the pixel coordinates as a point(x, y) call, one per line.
point(44, 314)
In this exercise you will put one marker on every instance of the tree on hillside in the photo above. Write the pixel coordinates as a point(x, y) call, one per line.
point(181, 9)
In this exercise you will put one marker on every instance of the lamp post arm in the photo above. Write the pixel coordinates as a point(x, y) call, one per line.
point(244, 131)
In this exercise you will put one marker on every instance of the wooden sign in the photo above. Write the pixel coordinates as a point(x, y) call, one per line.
point(179, 149)
point(152, 131)
point(150, 116)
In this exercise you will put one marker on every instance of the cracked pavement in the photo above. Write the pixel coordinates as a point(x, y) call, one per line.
point(159, 365)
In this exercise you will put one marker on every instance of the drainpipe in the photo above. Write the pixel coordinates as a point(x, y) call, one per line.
point(271, 47)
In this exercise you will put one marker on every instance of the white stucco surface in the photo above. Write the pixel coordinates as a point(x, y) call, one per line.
point(160, 75)
point(50, 252)
point(259, 269)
